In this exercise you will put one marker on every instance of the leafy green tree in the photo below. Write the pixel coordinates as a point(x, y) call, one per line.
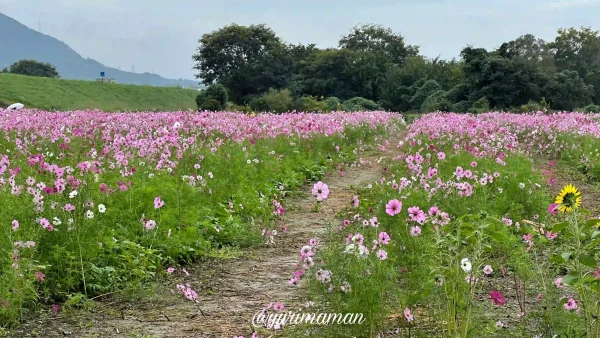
point(579, 50)
point(504, 82)
point(438, 101)
point(427, 89)
point(529, 48)
point(33, 68)
point(378, 40)
point(566, 91)
point(247, 60)
point(325, 73)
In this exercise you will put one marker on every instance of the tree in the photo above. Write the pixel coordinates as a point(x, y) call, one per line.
point(504, 82)
point(579, 50)
point(379, 40)
point(567, 91)
point(530, 48)
point(33, 68)
point(247, 60)
point(428, 88)
point(325, 73)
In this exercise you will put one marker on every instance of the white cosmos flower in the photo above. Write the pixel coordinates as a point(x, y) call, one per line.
point(101, 208)
point(522, 185)
point(465, 264)
point(72, 194)
point(89, 214)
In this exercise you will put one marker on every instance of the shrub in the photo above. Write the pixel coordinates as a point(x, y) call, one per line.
point(461, 107)
point(360, 104)
point(278, 101)
point(436, 102)
point(310, 104)
point(533, 106)
point(333, 103)
point(216, 93)
point(480, 106)
point(212, 105)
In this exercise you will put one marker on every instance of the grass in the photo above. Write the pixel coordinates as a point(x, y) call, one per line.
point(59, 94)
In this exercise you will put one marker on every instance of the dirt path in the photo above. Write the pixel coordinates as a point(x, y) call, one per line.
point(230, 291)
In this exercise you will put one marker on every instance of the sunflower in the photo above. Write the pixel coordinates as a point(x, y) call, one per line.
point(568, 199)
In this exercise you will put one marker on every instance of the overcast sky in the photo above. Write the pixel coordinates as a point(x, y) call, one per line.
point(161, 35)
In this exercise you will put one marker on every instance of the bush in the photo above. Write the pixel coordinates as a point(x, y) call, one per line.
point(310, 104)
point(333, 103)
point(360, 104)
point(533, 106)
point(461, 107)
point(436, 102)
point(278, 101)
point(592, 108)
point(33, 68)
point(480, 106)
point(211, 105)
point(216, 93)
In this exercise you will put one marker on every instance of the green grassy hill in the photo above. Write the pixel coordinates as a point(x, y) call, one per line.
point(58, 94)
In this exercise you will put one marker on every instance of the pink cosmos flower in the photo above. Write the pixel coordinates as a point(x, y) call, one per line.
point(171, 270)
point(278, 306)
point(384, 238)
point(393, 207)
point(488, 270)
point(69, 207)
point(15, 225)
point(553, 208)
point(320, 190)
point(416, 214)
point(415, 231)
point(55, 308)
point(559, 283)
point(497, 298)
point(158, 203)
point(407, 315)
point(433, 211)
point(40, 276)
point(441, 156)
point(571, 304)
point(473, 164)
point(551, 235)
point(382, 255)
point(355, 201)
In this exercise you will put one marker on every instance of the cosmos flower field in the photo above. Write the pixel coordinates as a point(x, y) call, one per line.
point(95, 202)
point(478, 225)
point(477, 228)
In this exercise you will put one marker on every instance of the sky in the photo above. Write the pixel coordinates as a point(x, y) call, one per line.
point(160, 36)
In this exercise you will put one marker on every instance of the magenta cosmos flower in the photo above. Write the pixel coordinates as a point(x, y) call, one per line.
point(497, 298)
point(320, 190)
point(393, 207)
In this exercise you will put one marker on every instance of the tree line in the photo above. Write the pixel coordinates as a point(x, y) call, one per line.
point(251, 68)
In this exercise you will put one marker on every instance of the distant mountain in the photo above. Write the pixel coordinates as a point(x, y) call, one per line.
point(18, 42)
